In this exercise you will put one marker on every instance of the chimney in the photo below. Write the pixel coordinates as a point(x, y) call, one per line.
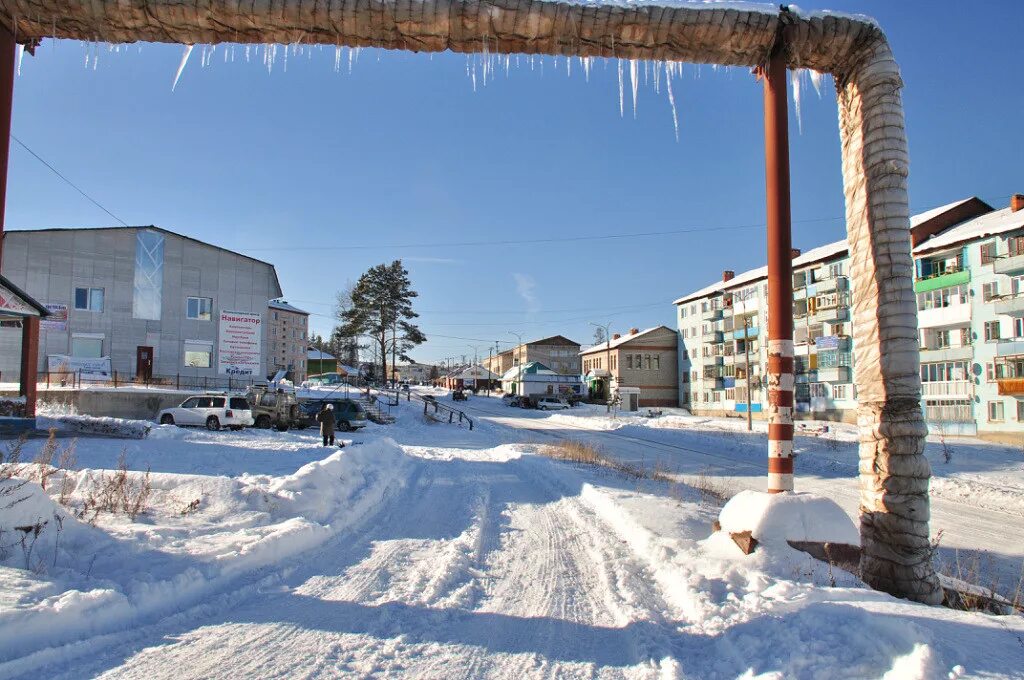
point(794, 253)
point(615, 336)
point(634, 331)
point(727, 275)
point(1016, 202)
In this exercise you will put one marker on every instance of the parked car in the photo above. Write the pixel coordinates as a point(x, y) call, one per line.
point(459, 395)
point(405, 387)
point(552, 403)
point(275, 408)
point(510, 400)
point(213, 410)
point(349, 414)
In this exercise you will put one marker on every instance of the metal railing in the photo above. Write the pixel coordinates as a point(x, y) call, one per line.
point(437, 410)
point(78, 379)
point(948, 388)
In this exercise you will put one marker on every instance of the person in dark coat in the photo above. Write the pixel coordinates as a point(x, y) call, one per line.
point(326, 420)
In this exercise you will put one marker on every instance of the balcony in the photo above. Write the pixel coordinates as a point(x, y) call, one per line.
point(1011, 266)
point(712, 336)
point(837, 342)
point(831, 315)
point(712, 314)
point(953, 388)
point(839, 283)
point(954, 315)
point(836, 374)
point(1009, 348)
point(948, 278)
point(1011, 304)
point(964, 353)
point(1011, 387)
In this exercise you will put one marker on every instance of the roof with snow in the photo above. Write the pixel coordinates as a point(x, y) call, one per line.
point(317, 354)
point(283, 305)
point(921, 218)
point(531, 368)
point(813, 256)
point(989, 224)
point(615, 342)
point(475, 372)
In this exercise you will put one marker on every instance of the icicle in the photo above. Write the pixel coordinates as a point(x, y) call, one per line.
point(657, 76)
point(473, 74)
point(634, 80)
point(816, 79)
point(508, 62)
point(794, 79)
point(247, 53)
point(19, 57)
point(202, 58)
point(568, 67)
point(337, 58)
point(622, 108)
point(286, 57)
point(586, 68)
point(181, 66)
point(671, 100)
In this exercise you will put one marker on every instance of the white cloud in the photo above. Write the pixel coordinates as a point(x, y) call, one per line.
point(526, 286)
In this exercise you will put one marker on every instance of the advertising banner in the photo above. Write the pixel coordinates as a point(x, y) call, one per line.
point(238, 344)
point(90, 368)
point(58, 319)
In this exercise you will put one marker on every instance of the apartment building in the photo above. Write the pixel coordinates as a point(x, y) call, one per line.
point(288, 333)
point(143, 301)
point(969, 284)
point(557, 353)
point(645, 360)
point(722, 354)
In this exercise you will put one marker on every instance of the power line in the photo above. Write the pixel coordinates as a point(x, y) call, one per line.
point(69, 182)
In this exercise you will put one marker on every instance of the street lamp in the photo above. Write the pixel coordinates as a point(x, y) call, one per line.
point(519, 363)
point(608, 360)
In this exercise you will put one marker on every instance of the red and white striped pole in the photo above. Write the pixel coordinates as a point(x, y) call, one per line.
point(780, 275)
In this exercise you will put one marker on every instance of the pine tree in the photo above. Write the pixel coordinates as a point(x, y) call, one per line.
point(381, 307)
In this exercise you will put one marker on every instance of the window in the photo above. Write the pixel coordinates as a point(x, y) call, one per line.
point(988, 254)
point(942, 339)
point(730, 394)
point(199, 308)
point(991, 331)
point(839, 391)
point(995, 410)
point(87, 346)
point(990, 372)
point(191, 402)
point(239, 403)
point(1018, 327)
point(1020, 410)
point(989, 291)
point(198, 354)
point(657, 362)
point(818, 390)
point(148, 284)
point(90, 299)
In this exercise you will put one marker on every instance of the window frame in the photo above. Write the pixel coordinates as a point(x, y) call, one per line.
point(90, 292)
point(199, 299)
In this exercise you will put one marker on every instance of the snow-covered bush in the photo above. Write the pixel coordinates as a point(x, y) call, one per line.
point(111, 427)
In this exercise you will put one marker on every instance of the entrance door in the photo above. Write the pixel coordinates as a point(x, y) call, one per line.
point(144, 363)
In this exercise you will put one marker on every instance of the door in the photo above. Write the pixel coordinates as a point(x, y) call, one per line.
point(143, 363)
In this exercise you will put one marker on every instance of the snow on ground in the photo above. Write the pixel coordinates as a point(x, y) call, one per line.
point(427, 550)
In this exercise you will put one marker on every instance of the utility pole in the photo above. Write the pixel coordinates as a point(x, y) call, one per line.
point(608, 360)
point(746, 370)
point(518, 362)
point(489, 370)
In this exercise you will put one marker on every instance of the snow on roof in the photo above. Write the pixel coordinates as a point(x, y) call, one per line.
point(921, 218)
point(283, 305)
point(623, 338)
point(812, 256)
point(317, 354)
point(989, 224)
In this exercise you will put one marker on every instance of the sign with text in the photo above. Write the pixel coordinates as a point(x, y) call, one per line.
point(58, 319)
point(238, 344)
point(88, 368)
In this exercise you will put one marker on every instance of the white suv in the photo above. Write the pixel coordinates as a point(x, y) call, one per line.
point(552, 403)
point(214, 411)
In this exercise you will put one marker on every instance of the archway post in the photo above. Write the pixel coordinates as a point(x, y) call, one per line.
point(780, 274)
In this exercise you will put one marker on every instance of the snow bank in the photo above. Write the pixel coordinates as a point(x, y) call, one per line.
point(109, 427)
point(174, 560)
point(777, 518)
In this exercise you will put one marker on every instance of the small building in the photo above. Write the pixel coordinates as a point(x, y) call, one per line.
point(644, 360)
point(470, 377)
point(557, 352)
point(287, 333)
point(412, 373)
point(145, 302)
point(534, 379)
point(319, 361)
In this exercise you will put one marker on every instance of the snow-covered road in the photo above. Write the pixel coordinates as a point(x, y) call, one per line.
point(479, 568)
point(736, 460)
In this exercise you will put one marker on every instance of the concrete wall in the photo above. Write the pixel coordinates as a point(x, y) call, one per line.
point(49, 265)
point(126, 403)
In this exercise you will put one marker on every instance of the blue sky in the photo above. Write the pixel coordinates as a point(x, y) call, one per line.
point(402, 156)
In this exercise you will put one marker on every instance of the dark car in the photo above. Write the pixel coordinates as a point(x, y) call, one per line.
point(348, 414)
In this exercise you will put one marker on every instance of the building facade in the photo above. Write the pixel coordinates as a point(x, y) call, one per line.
point(288, 333)
point(557, 353)
point(151, 300)
point(969, 284)
point(645, 360)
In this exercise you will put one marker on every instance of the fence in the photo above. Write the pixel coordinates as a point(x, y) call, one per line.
point(76, 380)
